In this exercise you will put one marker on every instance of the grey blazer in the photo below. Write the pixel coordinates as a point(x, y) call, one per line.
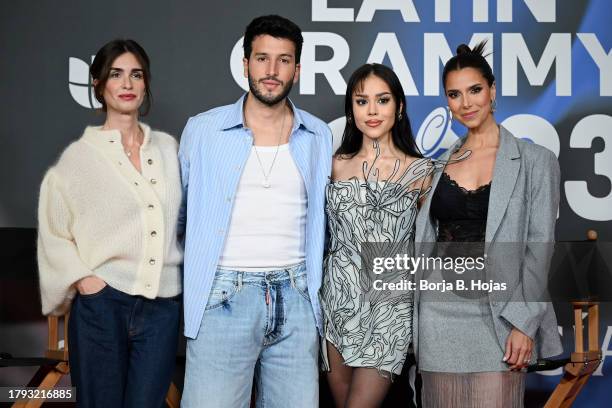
point(523, 204)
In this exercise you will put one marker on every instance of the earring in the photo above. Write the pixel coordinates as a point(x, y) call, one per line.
point(349, 119)
point(450, 116)
point(399, 116)
point(493, 105)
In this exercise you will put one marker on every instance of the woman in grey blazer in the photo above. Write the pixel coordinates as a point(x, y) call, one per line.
point(472, 345)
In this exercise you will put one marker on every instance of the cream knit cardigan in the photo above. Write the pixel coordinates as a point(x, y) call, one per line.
point(99, 216)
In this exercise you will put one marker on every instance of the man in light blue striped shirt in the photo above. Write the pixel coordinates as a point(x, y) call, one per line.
point(254, 176)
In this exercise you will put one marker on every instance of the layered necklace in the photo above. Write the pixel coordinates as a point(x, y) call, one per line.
point(266, 174)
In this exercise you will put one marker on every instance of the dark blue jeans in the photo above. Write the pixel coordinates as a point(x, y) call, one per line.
point(122, 348)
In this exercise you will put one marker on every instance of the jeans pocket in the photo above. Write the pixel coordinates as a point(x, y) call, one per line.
point(301, 286)
point(222, 291)
point(96, 294)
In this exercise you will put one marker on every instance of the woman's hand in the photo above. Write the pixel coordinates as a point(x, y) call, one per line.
point(518, 349)
point(90, 285)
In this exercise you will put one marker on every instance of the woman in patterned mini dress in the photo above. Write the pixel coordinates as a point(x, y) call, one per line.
point(378, 178)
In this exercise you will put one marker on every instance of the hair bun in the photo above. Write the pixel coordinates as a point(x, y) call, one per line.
point(464, 49)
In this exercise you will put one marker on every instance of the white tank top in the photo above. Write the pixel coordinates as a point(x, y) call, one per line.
point(267, 226)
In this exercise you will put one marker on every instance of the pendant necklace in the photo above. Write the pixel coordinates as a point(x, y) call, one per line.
point(266, 180)
point(128, 149)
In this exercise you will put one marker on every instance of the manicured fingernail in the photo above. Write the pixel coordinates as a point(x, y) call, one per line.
point(505, 358)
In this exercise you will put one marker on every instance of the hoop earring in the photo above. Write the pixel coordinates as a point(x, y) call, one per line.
point(493, 105)
point(450, 116)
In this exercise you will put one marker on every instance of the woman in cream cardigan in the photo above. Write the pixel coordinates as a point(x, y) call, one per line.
point(107, 247)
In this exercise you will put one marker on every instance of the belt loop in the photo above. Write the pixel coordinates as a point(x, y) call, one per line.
point(240, 281)
point(290, 271)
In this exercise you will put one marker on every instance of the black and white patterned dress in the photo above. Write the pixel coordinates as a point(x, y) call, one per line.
point(369, 328)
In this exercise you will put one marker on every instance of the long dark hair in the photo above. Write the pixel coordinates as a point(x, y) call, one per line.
point(470, 58)
point(103, 61)
point(401, 132)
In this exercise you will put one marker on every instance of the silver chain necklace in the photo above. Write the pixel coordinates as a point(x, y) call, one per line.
point(266, 181)
point(130, 147)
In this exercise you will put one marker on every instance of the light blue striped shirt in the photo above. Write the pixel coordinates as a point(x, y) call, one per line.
point(215, 146)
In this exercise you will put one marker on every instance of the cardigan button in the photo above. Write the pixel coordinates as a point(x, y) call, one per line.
point(154, 233)
point(150, 161)
point(153, 181)
point(150, 206)
point(152, 261)
point(148, 286)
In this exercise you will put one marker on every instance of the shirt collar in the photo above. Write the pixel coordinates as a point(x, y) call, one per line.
point(235, 116)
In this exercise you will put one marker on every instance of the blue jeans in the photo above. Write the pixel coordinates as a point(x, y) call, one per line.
point(257, 325)
point(122, 348)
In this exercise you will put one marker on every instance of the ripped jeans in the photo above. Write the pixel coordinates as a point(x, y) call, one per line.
point(257, 326)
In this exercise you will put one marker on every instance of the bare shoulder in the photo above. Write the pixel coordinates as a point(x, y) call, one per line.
point(341, 159)
point(419, 170)
point(416, 161)
point(417, 164)
point(343, 166)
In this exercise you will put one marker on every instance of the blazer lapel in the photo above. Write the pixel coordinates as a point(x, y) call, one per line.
point(504, 178)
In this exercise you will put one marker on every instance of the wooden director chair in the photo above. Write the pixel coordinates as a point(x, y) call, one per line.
point(55, 365)
point(582, 363)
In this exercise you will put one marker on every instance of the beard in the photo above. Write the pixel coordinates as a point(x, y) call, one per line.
point(272, 99)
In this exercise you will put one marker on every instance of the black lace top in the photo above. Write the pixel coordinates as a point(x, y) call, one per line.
point(461, 213)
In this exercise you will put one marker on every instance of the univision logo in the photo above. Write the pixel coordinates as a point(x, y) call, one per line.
point(79, 83)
